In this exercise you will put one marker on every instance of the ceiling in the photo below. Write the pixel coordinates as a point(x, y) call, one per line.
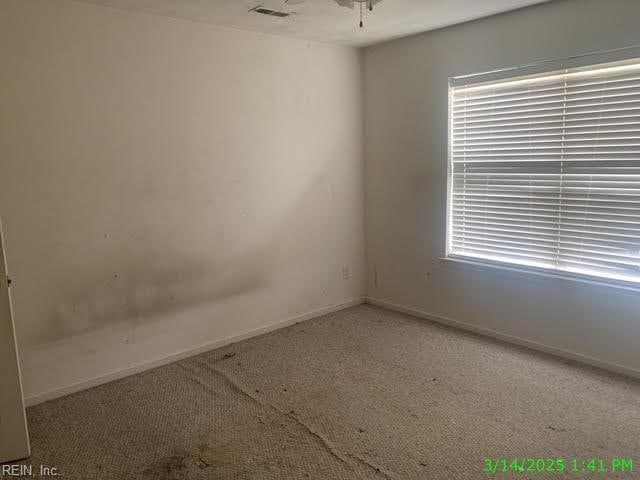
point(325, 20)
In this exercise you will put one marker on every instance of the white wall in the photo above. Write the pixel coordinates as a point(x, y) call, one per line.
point(406, 158)
point(165, 184)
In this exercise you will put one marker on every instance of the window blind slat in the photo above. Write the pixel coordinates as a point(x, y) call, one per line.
point(583, 251)
point(550, 96)
point(561, 84)
point(608, 243)
point(525, 123)
point(566, 113)
point(548, 228)
point(498, 197)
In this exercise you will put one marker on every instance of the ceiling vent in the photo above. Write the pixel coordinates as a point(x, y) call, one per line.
point(266, 11)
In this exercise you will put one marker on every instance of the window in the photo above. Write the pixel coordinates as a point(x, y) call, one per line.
point(545, 170)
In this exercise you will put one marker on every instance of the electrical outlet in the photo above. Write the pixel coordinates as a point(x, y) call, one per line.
point(346, 275)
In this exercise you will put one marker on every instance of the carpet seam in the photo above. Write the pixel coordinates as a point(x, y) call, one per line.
point(334, 451)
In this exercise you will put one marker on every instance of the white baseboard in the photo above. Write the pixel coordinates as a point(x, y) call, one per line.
point(578, 357)
point(174, 357)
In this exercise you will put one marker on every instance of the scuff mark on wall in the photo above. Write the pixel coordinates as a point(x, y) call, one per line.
point(139, 296)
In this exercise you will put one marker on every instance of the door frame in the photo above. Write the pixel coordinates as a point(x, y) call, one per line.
point(16, 426)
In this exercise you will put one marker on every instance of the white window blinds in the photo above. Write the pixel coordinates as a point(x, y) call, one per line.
point(545, 171)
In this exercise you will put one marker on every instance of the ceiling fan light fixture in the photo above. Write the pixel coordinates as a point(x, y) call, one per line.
point(368, 4)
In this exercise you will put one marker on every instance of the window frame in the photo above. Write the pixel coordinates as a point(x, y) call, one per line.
point(541, 67)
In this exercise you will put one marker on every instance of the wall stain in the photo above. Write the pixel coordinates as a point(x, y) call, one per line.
point(137, 295)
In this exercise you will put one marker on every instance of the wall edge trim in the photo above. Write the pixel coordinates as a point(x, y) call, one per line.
point(186, 353)
point(487, 332)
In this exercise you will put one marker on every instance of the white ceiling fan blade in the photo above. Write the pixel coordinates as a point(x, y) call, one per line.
point(345, 3)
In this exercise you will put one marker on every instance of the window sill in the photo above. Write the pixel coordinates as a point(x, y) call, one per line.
point(542, 272)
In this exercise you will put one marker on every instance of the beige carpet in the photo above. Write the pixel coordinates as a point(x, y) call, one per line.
point(362, 393)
